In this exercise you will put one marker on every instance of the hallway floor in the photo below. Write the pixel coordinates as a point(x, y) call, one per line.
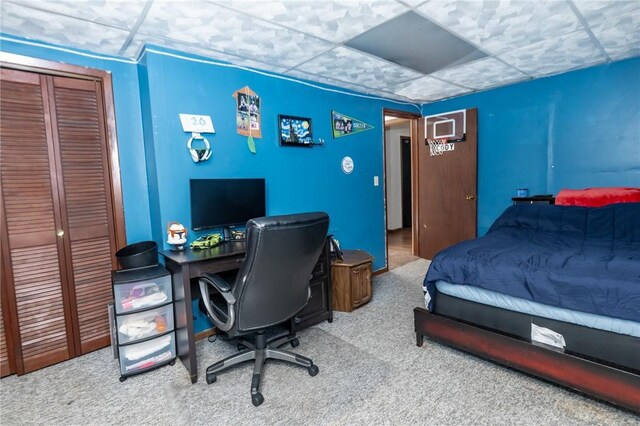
point(400, 248)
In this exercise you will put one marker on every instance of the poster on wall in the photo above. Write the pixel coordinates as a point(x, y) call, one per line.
point(343, 125)
point(248, 115)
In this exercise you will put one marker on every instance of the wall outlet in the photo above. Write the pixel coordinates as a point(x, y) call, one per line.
point(376, 181)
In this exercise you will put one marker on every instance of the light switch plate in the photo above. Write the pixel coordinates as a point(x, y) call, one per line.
point(376, 181)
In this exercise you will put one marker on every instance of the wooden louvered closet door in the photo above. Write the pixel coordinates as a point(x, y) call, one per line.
point(57, 226)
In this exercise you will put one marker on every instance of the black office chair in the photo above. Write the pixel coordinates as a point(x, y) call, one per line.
point(271, 286)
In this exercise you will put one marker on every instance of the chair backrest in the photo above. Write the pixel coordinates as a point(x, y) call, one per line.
point(273, 282)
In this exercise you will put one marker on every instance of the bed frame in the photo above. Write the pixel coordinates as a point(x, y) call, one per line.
point(601, 381)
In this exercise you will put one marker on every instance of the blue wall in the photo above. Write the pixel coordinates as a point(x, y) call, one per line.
point(128, 123)
point(575, 130)
point(298, 179)
point(578, 129)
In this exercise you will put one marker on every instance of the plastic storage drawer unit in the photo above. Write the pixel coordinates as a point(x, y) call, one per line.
point(139, 289)
point(144, 319)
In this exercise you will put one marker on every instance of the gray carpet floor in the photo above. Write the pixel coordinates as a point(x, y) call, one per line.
point(371, 372)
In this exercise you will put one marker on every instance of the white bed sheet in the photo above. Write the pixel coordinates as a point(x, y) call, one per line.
point(516, 304)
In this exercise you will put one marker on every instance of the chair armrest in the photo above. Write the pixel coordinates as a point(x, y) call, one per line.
point(222, 287)
point(218, 283)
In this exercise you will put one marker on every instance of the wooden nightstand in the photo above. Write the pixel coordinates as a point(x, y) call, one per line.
point(351, 280)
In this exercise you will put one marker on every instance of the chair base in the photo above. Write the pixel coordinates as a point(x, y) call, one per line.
point(260, 352)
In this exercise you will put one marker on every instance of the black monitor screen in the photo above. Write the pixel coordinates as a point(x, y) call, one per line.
point(224, 202)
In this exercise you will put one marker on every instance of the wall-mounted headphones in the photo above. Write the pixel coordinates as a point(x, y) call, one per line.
point(199, 154)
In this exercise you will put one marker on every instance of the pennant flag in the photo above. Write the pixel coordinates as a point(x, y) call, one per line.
point(343, 125)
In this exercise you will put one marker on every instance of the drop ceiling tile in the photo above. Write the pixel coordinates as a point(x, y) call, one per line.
point(325, 80)
point(616, 24)
point(430, 49)
point(498, 26)
point(354, 67)
point(139, 40)
point(228, 31)
point(330, 20)
point(571, 51)
point(58, 29)
point(341, 84)
point(428, 89)
point(621, 40)
point(481, 74)
point(119, 13)
point(413, 3)
point(598, 12)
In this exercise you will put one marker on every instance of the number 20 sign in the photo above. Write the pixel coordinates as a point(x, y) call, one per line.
point(196, 123)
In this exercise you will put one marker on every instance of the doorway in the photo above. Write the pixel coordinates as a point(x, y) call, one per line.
point(400, 137)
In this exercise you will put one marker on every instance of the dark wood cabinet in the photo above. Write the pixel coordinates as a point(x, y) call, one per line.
point(351, 280)
point(320, 307)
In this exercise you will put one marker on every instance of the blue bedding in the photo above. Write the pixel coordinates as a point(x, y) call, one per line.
point(579, 258)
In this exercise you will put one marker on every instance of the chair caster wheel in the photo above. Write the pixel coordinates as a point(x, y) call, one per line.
point(313, 370)
point(241, 347)
point(172, 363)
point(294, 343)
point(211, 378)
point(122, 379)
point(257, 399)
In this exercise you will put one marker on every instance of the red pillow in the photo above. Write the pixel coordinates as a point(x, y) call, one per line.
point(597, 197)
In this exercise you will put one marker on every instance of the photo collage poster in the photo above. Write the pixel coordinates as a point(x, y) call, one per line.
point(248, 113)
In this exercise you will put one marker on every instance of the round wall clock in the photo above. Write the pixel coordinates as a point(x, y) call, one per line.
point(347, 165)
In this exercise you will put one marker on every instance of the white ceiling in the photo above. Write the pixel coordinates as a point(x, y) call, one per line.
point(305, 39)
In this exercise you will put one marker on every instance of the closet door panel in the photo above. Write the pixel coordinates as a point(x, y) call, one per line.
point(82, 157)
point(31, 220)
point(6, 364)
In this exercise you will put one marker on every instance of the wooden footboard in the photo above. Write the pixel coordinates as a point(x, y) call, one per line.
point(607, 383)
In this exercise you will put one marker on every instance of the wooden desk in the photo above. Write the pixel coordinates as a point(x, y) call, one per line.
point(189, 264)
point(184, 266)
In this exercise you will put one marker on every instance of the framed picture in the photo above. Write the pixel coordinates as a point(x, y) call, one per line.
point(295, 131)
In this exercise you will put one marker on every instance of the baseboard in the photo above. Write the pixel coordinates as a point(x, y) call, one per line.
point(394, 231)
point(380, 271)
point(206, 333)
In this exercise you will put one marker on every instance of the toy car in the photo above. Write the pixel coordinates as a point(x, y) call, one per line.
point(207, 241)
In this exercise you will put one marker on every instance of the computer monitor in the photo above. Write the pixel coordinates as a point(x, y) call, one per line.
point(223, 203)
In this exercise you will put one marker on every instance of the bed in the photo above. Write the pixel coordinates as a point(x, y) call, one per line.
point(550, 290)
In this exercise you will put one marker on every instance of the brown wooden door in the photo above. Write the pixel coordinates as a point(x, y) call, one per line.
point(81, 154)
point(35, 280)
point(57, 217)
point(447, 192)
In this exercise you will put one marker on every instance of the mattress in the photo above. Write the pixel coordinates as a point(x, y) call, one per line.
point(498, 300)
point(576, 258)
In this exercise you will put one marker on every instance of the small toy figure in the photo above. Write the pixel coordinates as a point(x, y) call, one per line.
point(176, 235)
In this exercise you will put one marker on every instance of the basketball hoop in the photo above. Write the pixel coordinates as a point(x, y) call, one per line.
point(437, 146)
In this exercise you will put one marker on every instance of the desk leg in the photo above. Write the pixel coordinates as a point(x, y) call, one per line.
point(185, 338)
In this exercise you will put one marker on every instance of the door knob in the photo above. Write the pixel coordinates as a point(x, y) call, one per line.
point(470, 197)
point(60, 233)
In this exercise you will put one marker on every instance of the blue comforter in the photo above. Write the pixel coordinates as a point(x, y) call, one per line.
point(580, 258)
